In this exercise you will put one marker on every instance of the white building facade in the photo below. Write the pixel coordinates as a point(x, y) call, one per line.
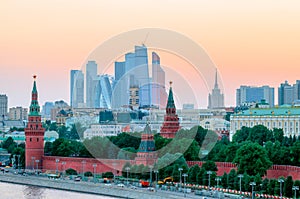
point(286, 118)
point(102, 130)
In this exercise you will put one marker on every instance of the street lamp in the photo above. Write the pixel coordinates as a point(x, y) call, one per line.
point(184, 177)
point(37, 165)
point(151, 167)
point(180, 170)
point(240, 176)
point(83, 163)
point(252, 184)
point(127, 169)
point(32, 162)
point(56, 162)
point(280, 180)
point(63, 166)
point(94, 167)
point(218, 179)
point(295, 188)
point(18, 162)
point(156, 178)
point(209, 173)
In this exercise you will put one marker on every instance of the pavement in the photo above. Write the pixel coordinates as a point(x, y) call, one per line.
point(92, 188)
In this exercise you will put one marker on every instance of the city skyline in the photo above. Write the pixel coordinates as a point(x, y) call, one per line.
point(254, 43)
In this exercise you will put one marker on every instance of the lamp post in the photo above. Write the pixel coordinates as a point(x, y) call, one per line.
point(56, 162)
point(83, 163)
point(180, 170)
point(156, 178)
point(63, 166)
point(184, 177)
point(218, 179)
point(295, 188)
point(209, 173)
point(18, 162)
point(94, 167)
point(37, 165)
point(127, 170)
point(252, 184)
point(280, 180)
point(151, 167)
point(240, 176)
point(32, 162)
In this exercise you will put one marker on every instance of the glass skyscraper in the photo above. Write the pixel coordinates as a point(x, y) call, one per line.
point(76, 88)
point(91, 83)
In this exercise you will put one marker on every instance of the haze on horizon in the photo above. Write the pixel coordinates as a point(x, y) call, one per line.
point(251, 43)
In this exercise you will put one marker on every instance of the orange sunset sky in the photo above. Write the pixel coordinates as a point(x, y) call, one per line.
point(251, 42)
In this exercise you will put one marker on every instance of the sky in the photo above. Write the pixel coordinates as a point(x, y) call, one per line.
point(251, 42)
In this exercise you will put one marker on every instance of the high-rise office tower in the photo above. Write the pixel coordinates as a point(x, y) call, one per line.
point(246, 94)
point(141, 75)
point(121, 86)
point(3, 107)
point(159, 94)
point(216, 98)
point(91, 83)
point(288, 94)
point(103, 92)
point(76, 88)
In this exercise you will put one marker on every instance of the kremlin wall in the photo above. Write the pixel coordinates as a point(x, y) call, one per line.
point(35, 158)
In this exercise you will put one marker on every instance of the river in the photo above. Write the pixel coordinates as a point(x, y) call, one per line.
point(13, 191)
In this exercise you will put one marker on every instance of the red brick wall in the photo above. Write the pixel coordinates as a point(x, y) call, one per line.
point(115, 166)
point(103, 165)
point(275, 171)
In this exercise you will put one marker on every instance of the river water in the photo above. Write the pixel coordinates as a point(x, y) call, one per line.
point(13, 191)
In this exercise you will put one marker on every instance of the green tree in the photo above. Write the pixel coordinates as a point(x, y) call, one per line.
point(88, 174)
point(224, 181)
point(252, 159)
point(288, 185)
point(241, 135)
point(278, 134)
point(8, 143)
point(210, 166)
point(295, 153)
point(48, 148)
point(232, 179)
point(71, 171)
point(192, 174)
point(260, 134)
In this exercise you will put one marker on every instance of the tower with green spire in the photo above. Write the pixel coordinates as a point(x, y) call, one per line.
point(146, 154)
point(34, 133)
point(171, 120)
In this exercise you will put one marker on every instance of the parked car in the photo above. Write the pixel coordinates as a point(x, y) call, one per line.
point(121, 185)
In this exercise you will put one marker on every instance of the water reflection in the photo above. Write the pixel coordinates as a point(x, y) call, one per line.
point(15, 191)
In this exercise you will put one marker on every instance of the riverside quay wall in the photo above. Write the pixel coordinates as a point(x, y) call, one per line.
point(53, 163)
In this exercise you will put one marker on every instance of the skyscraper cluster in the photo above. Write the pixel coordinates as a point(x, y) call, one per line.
point(90, 89)
point(133, 85)
point(130, 86)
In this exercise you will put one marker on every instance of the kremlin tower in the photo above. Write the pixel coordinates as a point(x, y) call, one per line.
point(171, 121)
point(34, 133)
point(146, 154)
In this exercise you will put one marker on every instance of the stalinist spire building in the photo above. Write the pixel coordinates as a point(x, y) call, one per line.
point(216, 98)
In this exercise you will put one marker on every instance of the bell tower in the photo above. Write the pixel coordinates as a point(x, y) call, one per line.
point(34, 133)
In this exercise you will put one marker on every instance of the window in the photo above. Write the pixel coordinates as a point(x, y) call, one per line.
point(30, 139)
point(37, 139)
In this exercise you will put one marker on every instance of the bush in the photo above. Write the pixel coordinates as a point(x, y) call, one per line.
point(71, 171)
point(88, 174)
point(108, 175)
